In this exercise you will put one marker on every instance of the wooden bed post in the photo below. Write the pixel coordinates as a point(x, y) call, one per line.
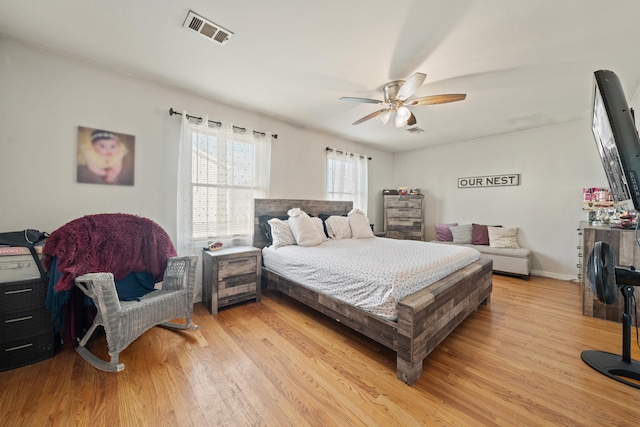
point(428, 316)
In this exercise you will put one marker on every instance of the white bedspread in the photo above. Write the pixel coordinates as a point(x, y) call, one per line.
point(372, 274)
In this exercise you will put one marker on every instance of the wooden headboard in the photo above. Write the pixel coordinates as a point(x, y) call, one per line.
point(279, 207)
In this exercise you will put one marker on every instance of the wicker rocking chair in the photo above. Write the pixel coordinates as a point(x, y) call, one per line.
point(124, 321)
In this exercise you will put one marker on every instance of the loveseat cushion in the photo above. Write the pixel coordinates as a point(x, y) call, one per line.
point(511, 252)
point(506, 260)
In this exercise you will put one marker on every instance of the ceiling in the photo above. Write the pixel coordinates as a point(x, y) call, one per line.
point(523, 64)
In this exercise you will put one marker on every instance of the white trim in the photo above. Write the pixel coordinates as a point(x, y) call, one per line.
point(554, 275)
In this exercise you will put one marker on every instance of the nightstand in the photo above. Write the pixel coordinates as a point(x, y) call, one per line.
point(230, 275)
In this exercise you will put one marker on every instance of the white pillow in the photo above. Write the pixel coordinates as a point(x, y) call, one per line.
point(503, 237)
point(317, 224)
point(281, 233)
point(302, 227)
point(359, 223)
point(338, 227)
point(462, 233)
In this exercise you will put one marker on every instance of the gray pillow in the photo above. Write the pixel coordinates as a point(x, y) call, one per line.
point(461, 233)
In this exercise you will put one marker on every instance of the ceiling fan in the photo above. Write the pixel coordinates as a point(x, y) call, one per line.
point(397, 96)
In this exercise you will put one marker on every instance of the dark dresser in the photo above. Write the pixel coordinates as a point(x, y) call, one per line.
point(26, 329)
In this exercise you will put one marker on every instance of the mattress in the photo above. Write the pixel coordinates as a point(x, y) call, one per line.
point(371, 274)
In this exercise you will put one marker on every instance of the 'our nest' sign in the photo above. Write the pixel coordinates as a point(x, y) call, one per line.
point(489, 181)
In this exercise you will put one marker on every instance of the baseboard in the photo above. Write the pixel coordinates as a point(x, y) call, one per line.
point(554, 275)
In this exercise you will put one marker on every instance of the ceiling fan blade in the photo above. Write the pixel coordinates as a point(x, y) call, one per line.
point(365, 100)
point(438, 99)
point(370, 116)
point(410, 86)
point(412, 120)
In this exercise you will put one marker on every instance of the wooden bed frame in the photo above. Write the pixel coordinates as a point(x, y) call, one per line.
point(425, 318)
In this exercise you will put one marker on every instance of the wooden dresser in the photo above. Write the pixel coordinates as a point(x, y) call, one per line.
point(627, 253)
point(230, 275)
point(403, 216)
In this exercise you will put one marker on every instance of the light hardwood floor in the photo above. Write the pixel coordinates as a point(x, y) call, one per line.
point(515, 362)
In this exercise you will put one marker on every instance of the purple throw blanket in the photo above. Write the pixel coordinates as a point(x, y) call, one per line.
point(116, 243)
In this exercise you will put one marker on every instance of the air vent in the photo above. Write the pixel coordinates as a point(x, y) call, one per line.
point(415, 130)
point(206, 28)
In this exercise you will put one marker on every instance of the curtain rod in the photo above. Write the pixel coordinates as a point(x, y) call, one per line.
point(189, 116)
point(338, 151)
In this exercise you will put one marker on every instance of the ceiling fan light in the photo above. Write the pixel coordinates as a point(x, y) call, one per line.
point(402, 116)
point(384, 117)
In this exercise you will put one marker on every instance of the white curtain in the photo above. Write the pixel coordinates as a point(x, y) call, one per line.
point(347, 178)
point(222, 169)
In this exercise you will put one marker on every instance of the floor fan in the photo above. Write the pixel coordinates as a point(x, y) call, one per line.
point(605, 278)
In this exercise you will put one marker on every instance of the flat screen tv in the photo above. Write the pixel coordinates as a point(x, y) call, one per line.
point(616, 137)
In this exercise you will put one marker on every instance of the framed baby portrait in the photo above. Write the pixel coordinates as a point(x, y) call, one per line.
point(105, 157)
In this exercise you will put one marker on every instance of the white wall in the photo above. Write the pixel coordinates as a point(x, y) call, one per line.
point(555, 163)
point(44, 97)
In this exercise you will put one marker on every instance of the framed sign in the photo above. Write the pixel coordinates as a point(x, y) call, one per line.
point(489, 181)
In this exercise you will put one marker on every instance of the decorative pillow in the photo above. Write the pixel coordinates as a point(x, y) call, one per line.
point(318, 224)
point(461, 233)
point(338, 227)
point(266, 227)
point(503, 237)
point(302, 228)
point(479, 234)
point(443, 233)
point(281, 233)
point(359, 223)
point(324, 217)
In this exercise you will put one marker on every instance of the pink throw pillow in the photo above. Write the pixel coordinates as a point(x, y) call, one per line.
point(480, 234)
point(443, 234)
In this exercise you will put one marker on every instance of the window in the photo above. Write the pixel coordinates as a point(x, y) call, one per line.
point(224, 171)
point(346, 178)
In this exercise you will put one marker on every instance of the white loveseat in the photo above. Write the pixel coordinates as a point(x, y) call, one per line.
point(514, 261)
point(497, 243)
